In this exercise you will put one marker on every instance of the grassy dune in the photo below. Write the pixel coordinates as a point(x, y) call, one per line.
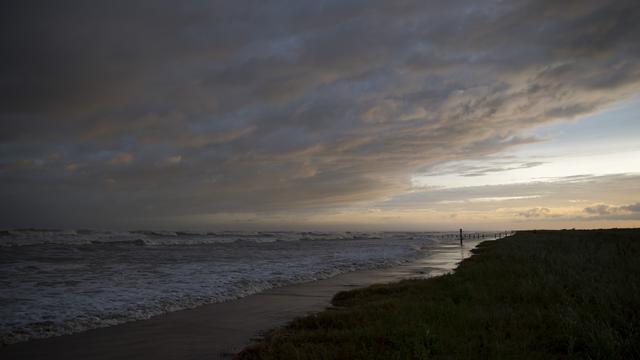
point(535, 295)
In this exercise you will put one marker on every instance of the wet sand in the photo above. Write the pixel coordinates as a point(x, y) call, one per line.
point(218, 331)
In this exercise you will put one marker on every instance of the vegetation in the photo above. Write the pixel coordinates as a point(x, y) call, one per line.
point(535, 295)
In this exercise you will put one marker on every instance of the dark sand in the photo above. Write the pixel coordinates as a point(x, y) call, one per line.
point(218, 331)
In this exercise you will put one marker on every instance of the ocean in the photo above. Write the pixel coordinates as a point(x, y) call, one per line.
point(55, 282)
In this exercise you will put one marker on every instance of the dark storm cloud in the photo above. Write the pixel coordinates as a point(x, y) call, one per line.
point(146, 109)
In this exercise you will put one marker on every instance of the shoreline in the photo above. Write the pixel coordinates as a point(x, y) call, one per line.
point(220, 330)
point(539, 294)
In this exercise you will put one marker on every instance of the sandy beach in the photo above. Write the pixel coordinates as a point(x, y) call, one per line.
point(221, 330)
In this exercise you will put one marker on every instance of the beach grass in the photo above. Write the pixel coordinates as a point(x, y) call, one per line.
point(534, 295)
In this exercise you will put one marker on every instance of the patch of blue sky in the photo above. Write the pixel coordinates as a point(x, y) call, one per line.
point(604, 143)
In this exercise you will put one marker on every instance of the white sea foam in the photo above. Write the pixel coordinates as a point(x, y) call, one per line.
point(60, 282)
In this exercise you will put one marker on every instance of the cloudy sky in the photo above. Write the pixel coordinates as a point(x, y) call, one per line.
point(404, 114)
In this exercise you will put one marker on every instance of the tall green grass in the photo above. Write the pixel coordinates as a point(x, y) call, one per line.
point(534, 295)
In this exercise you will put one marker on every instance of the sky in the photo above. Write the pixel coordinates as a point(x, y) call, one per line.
point(381, 115)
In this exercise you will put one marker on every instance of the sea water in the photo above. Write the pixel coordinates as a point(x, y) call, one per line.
point(60, 282)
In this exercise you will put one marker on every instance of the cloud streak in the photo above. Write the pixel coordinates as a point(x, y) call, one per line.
point(605, 209)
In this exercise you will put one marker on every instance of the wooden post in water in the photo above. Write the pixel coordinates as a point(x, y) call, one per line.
point(460, 237)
